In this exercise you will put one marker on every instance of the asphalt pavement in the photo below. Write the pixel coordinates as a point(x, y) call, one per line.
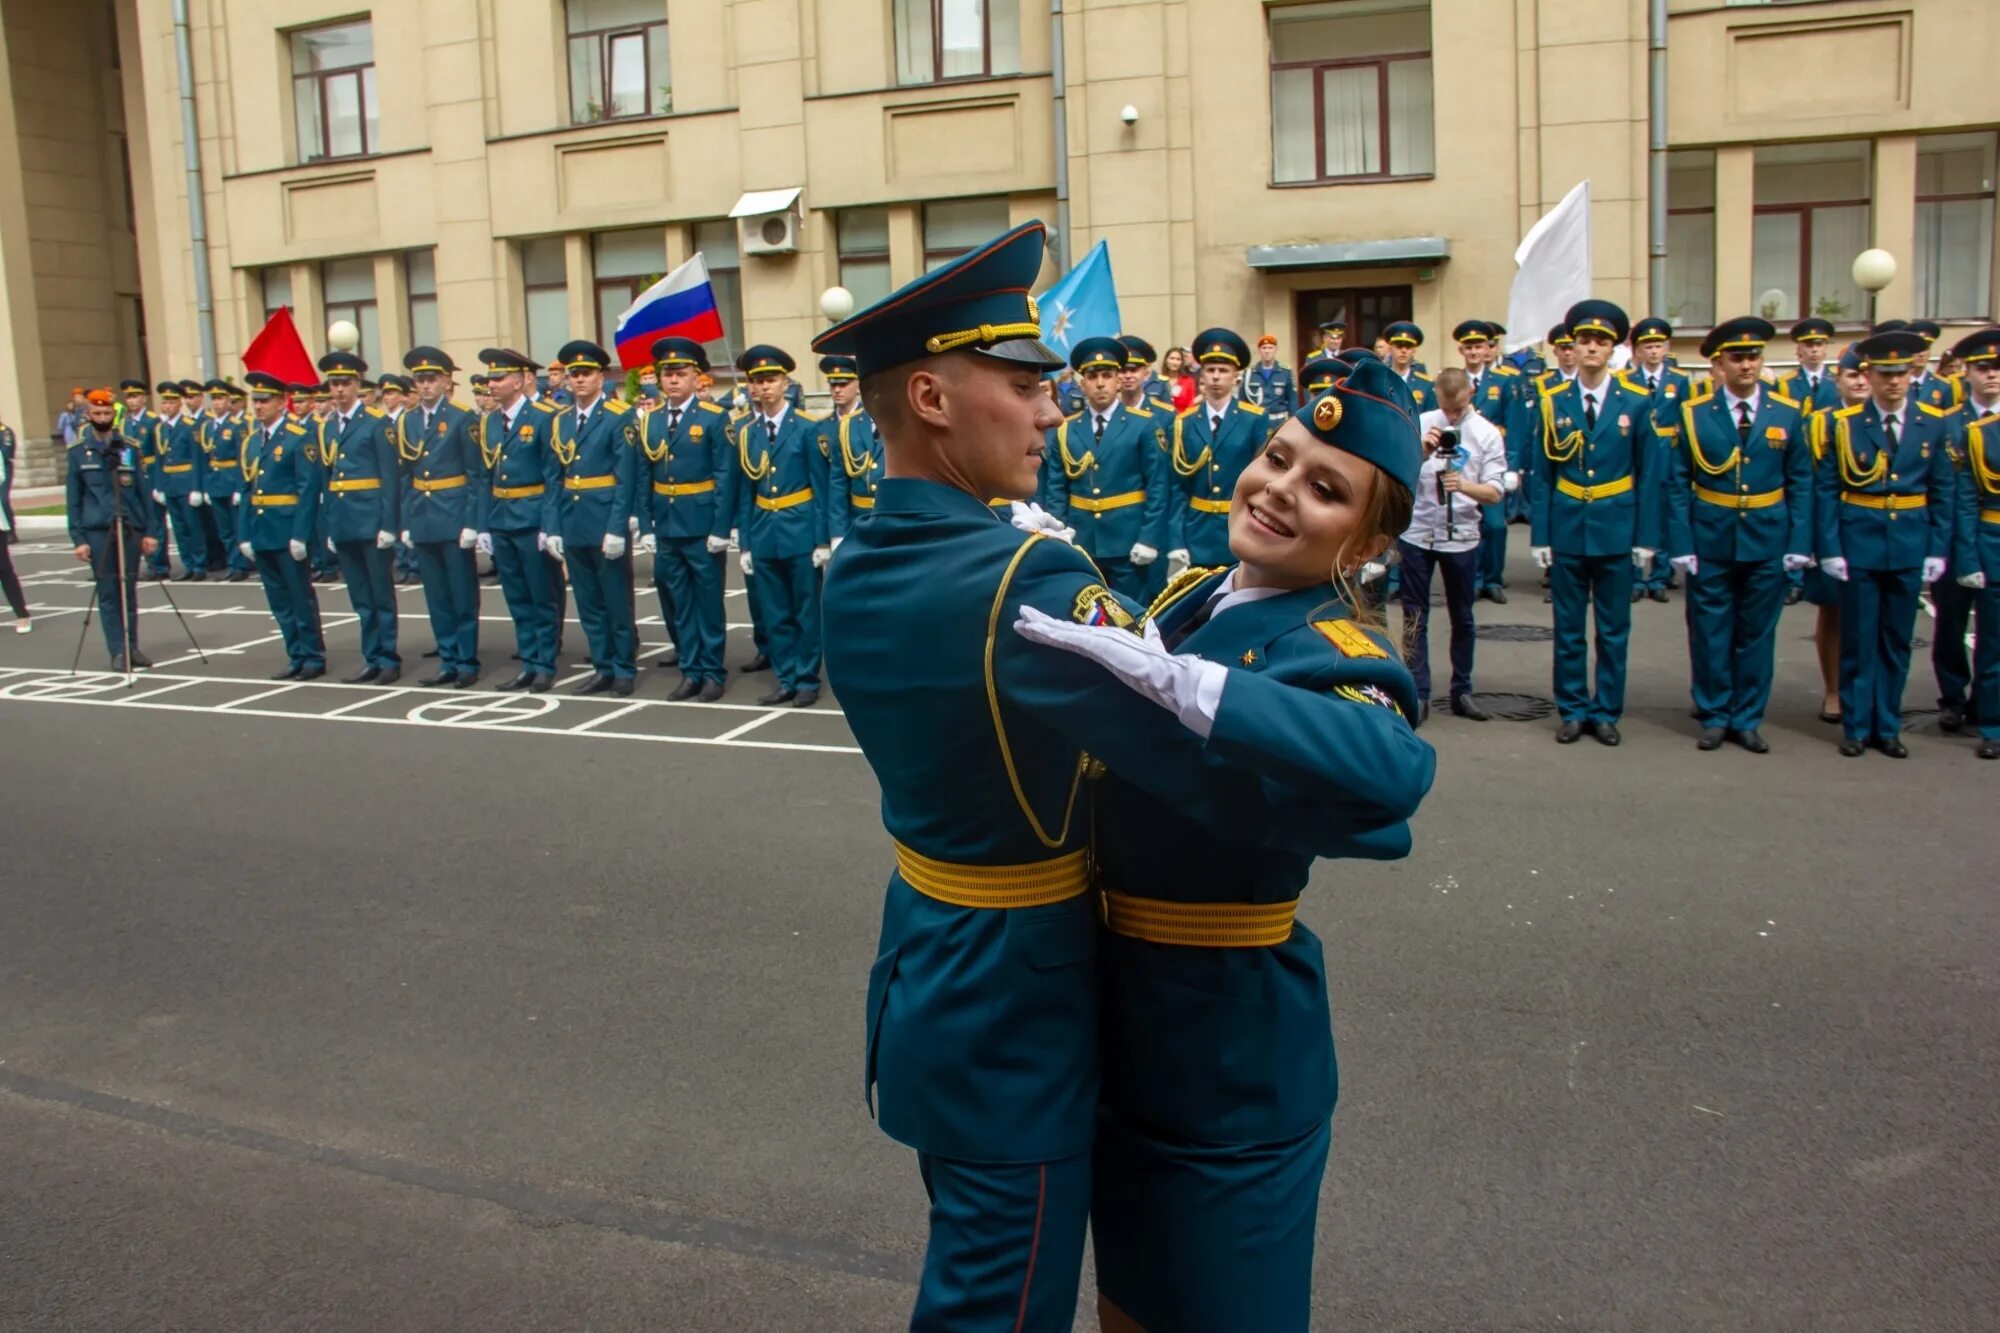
point(326, 1007)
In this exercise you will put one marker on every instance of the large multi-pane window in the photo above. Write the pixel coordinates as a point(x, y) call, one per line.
point(862, 239)
point(333, 90)
point(1811, 219)
point(954, 226)
point(618, 59)
point(716, 241)
point(277, 285)
point(545, 284)
point(1954, 250)
point(349, 288)
point(956, 39)
point(1351, 91)
point(420, 274)
point(1690, 293)
point(624, 263)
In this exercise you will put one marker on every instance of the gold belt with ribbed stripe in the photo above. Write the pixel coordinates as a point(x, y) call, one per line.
point(785, 501)
point(1863, 501)
point(1036, 884)
point(1203, 506)
point(675, 489)
point(1760, 500)
point(1200, 925)
point(441, 484)
point(341, 485)
point(1575, 491)
point(519, 492)
point(1093, 505)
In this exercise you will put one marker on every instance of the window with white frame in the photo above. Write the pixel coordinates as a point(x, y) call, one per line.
point(716, 240)
point(938, 40)
point(1691, 239)
point(333, 91)
point(420, 275)
point(349, 289)
point(1810, 217)
point(545, 284)
point(1351, 93)
point(1954, 250)
point(618, 59)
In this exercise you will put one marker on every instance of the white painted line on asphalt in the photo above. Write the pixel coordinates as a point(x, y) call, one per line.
point(754, 723)
point(164, 689)
point(233, 704)
point(602, 718)
point(373, 696)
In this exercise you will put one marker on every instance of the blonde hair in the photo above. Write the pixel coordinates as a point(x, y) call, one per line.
point(1388, 513)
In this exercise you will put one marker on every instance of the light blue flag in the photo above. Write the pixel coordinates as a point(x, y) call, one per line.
point(1083, 305)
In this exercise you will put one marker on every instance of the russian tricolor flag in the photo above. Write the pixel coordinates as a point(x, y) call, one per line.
point(680, 305)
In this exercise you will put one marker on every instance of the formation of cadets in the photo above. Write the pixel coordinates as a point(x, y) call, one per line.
point(1853, 482)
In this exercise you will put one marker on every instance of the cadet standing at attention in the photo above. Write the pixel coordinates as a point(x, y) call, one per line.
point(775, 489)
point(362, 513)
point(1213, 441)
point(682, 522)
point(1270, 385)
point(854, 454)
point(1951, 599)
point(1739, 517)
point(1883, 519)
point(180, 477)
point(443, 512)
point(222, 446)
point(586, 520)
point(1404, 338)
point(112, 522)
point(1669, 388)
point(1318, 375)
point(1596, 517)
point(521, 472)
point(1976, 541)
point(1811, 384)
point(1926, 387)
point(1108, 478)
point(1146, 390)
point(141, 425)
point(285, 478)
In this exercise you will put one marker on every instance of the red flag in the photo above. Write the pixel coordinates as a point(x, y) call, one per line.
point(277, 350)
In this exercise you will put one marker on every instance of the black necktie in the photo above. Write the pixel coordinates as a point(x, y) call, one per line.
point(1590, 412)
point(673, 420)
point(1889, 429)
point(1097, 428)
point(770, 431)
point(1194, 622)
point(1652, 384)
point(1743, 422)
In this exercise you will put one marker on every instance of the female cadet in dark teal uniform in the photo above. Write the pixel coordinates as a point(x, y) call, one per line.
point(1821, 591)
point(1218, 1063)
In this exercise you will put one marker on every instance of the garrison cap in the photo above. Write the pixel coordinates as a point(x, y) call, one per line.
point(1138, 352)
point(674, 351)
point(979, 303)
point(263, 384)
point(419, 360)
point(1268, 340)
point(1318, 374)
point(342, 366)
point(839, 369)
point(1096, 354)
point(583, 352)
point(1979, 347)
point(498, 361)
point(1221, 346)
point(1652, 329)
point(1362, 414)
point(131, 386)
point(1559, 336)
point(1813, 330)
point(99, 398)
point(1599, 317)
point(1472, 331)
point(1747, 333)
point(1896, 349)
point(1851, 358)
point(1926, 329)
point(1404, 334)
point(764, 359)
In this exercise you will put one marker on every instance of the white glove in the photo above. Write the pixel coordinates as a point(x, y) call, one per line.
point(159, 497)
point(717, 545)
point(1834, 567)
point(1143, 554)
point(836, 545)
point(632, 524)
point(1187, 687)
point(1643, 556)
point(1512, 481)
point(821, 554)
point(1177, 563)
point(236, 499)
point(1794, 563)
point(248, 552)
point(1545, 556)
point(298, 549)
point(1933, 568)
point(614, 546)
point(467, 539)
point(646, 545)
point(406, 538)
point(735, 540)
point(384, 540)
point(1689, 564)
point(483, 544)
point(1372, 570)
point(1031, 517)
point(748, 565)
point(197, 498)
point(331, 549)
point(553, 545)
point(1976, 579)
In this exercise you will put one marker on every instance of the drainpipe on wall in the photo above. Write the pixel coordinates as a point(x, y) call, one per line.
point(1656, 188)
point(1062, 136)
point(204, 293)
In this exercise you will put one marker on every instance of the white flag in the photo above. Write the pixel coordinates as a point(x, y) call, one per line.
point(1554, 273)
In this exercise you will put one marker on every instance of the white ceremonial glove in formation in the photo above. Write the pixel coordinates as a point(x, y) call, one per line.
point(1976, 579)
point(1643, 556)
point(1795, 563)
point(384, 540)
point(1545, 556)
point(467, 539)
point(1187, 687)
point(646, 545)
point(1031, 517)
point(197, 498)
point(1177, 563)
point(1933, 568)
point(748, 565)
point(632, 524)
point(735, 539)
point(484, 544)
point(331, 549)
point(1512, 482)
point(1372, 570)
point(836, 545)
point(821, 554)
point(236, 499)
point(248, 552)
point(614, 546)
point(1834, 567)
point(159, 497)
point(406, 538)
point(298, 549)
point(717, 545)
point(1143, 554)
point(1689, 564)
point(553, 545)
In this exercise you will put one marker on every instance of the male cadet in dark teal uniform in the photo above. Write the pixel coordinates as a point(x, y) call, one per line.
point(1107, 474)
point(1404, 338)
point(1811, 384)
point(399, 394)
point(141, 425)
point(1951, 600)
point(586, 519)
point(1975, 560)
point(179, 476)
point(854, 453)
point(1493, 399)
point(1882, 512)
point(1926, 386)
point(443, 512)
point(1596, 517)
point(775, 487)
point(215, 411)
point(285, 477)
point(112, 522)
point(1739, 515)
point(521, 472)
point(222, 445)
point(1270, 385)
point(1526, 424)
point(982, 1004)
point(1332, 334)
point(314, 409)
point(1669, 388)
point(361, 509)
point(1318, 375)
point(1212, 442)
point(684, 449)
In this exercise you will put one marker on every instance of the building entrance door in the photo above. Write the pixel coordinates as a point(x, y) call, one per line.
point(1367, 310)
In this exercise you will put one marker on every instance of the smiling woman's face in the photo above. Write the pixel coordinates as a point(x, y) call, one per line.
point(1298, 508)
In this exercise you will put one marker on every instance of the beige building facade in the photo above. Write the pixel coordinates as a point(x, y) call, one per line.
point(478, 172)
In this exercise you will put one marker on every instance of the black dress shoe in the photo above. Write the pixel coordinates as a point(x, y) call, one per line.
point(1498, 595)
point(540, 684)
point(520, 682)
point(513, 657)
point(466, 680)
point(1465, 707)
point(1548, 598)
point(622, 686)
point(1951, 717)
point(1483, 595)
point(1851, 748)
point(1673, 583)
point(1988, 749)
point(185, 576)
point(758, 663)
point(1894, 748)
point(1753, 742)
point(780, 695)
point(366, 677)
point(118, 662)
point(162, 575)
point(236, 576)
point(1567, 733)
point(711, 690)
point(432, 653)
point(1825, 716)
point(684, 691)
point(1638, 595)
point(441, 678)
point(389, 676)
point(806, 699)
point(312, 673)
point(1711, 739)
point(139, 659)
point(1658, 594)
point(599, 683)
point(1793, 596)
point(1607, 733)
point(289, 673)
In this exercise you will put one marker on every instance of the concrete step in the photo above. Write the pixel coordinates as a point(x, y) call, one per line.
point(38, 463)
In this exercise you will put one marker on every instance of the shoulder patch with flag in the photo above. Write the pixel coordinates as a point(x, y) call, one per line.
point(1349, 638)
point(1096, 606)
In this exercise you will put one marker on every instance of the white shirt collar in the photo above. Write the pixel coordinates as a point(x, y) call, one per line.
point(1898, 416)
point(1729, 396)
point(1227, 594)
point(512, 414)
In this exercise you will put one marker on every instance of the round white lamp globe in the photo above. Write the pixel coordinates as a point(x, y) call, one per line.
point(836, 303)
point(342, 336)
point(1874, 270)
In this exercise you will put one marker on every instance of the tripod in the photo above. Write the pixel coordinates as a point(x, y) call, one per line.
point(117, 553)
